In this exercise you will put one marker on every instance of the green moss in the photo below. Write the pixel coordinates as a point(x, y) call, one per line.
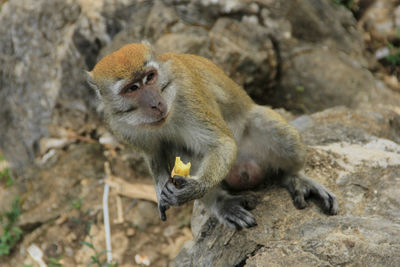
point(300, 89)
point(394, 56)
point(6, 178)
point(346, 3)
point(11, 233)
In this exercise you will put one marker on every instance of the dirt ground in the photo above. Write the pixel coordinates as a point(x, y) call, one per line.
point(62, 214)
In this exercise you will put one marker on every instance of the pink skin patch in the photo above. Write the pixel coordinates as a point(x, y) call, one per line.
point(244, 175)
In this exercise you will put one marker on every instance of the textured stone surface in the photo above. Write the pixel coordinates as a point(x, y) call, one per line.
point(362, 169)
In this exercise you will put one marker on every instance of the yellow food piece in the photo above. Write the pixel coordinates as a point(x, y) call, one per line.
point(181, 168)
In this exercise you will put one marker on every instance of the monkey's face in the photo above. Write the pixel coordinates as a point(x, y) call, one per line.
point(145, 100)
point(134, 88)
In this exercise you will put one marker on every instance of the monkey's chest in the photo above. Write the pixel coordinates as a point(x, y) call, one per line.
point(189, 141)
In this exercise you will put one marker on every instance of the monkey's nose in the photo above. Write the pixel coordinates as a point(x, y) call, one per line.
point(159, 107)
point(156, 105)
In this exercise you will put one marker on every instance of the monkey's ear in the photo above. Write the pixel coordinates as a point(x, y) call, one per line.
point(93, 85)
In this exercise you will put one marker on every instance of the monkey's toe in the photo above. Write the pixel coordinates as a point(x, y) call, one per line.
point(332, 208)
point(306, 188)
point(239, 219)
point(232, 212)
point(250, 201)
point(299, 200)
point(327, 199)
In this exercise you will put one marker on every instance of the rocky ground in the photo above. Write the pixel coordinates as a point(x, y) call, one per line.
point(330, 67)
point(349, 153)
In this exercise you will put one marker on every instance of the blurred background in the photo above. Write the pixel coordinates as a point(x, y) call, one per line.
point(332, 67)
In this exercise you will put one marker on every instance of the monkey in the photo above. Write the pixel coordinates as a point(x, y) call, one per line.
point(171, 104)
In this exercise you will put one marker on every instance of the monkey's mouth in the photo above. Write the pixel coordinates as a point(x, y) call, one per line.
point(159, 122)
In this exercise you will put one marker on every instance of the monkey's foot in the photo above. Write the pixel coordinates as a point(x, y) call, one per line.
point(232, 211)
point(301, 188)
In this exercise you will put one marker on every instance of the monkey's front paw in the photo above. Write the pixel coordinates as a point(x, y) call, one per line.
point(233, 211)
point(180, 190)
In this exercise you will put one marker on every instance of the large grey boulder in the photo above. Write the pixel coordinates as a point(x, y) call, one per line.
point(353, 154)
point(45, 48)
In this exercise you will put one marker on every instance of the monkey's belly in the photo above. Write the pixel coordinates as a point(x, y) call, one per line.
point(244, 175)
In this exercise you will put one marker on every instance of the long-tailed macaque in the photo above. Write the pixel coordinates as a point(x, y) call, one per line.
point(184, 105)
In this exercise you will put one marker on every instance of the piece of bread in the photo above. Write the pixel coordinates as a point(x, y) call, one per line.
point(181, 168)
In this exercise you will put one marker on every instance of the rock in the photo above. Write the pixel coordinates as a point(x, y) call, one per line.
point(360, 162)
point(311, 78)
point(381, 53)
point(130, 232)
point(246, 53)
point(352, 126)
point(195, 42)
point(392, 81)
point(49, 143)
point(382, 19)
point(175, 245)
point(32, 77)
point(58, 183)
point(170, 230)
point(145, 214)
point(46, 46)
point(322, 22)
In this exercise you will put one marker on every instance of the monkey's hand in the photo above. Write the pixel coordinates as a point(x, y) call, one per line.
point(179, 191)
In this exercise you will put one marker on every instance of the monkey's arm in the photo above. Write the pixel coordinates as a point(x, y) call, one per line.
point(218, 162)
point(215, 165)
point(159, 170)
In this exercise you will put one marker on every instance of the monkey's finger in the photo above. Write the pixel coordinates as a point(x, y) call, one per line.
point(162, 209)
point(170, 188)
point(180, 181)
point(168, 195)
point(299, 199)
point(163, 216)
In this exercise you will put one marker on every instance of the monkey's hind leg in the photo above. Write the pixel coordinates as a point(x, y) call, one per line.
point(231, 210)
point(302, 187)
point(280, 148)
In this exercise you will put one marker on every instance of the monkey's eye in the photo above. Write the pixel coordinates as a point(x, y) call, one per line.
point(150, 77)
point(131, 88)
